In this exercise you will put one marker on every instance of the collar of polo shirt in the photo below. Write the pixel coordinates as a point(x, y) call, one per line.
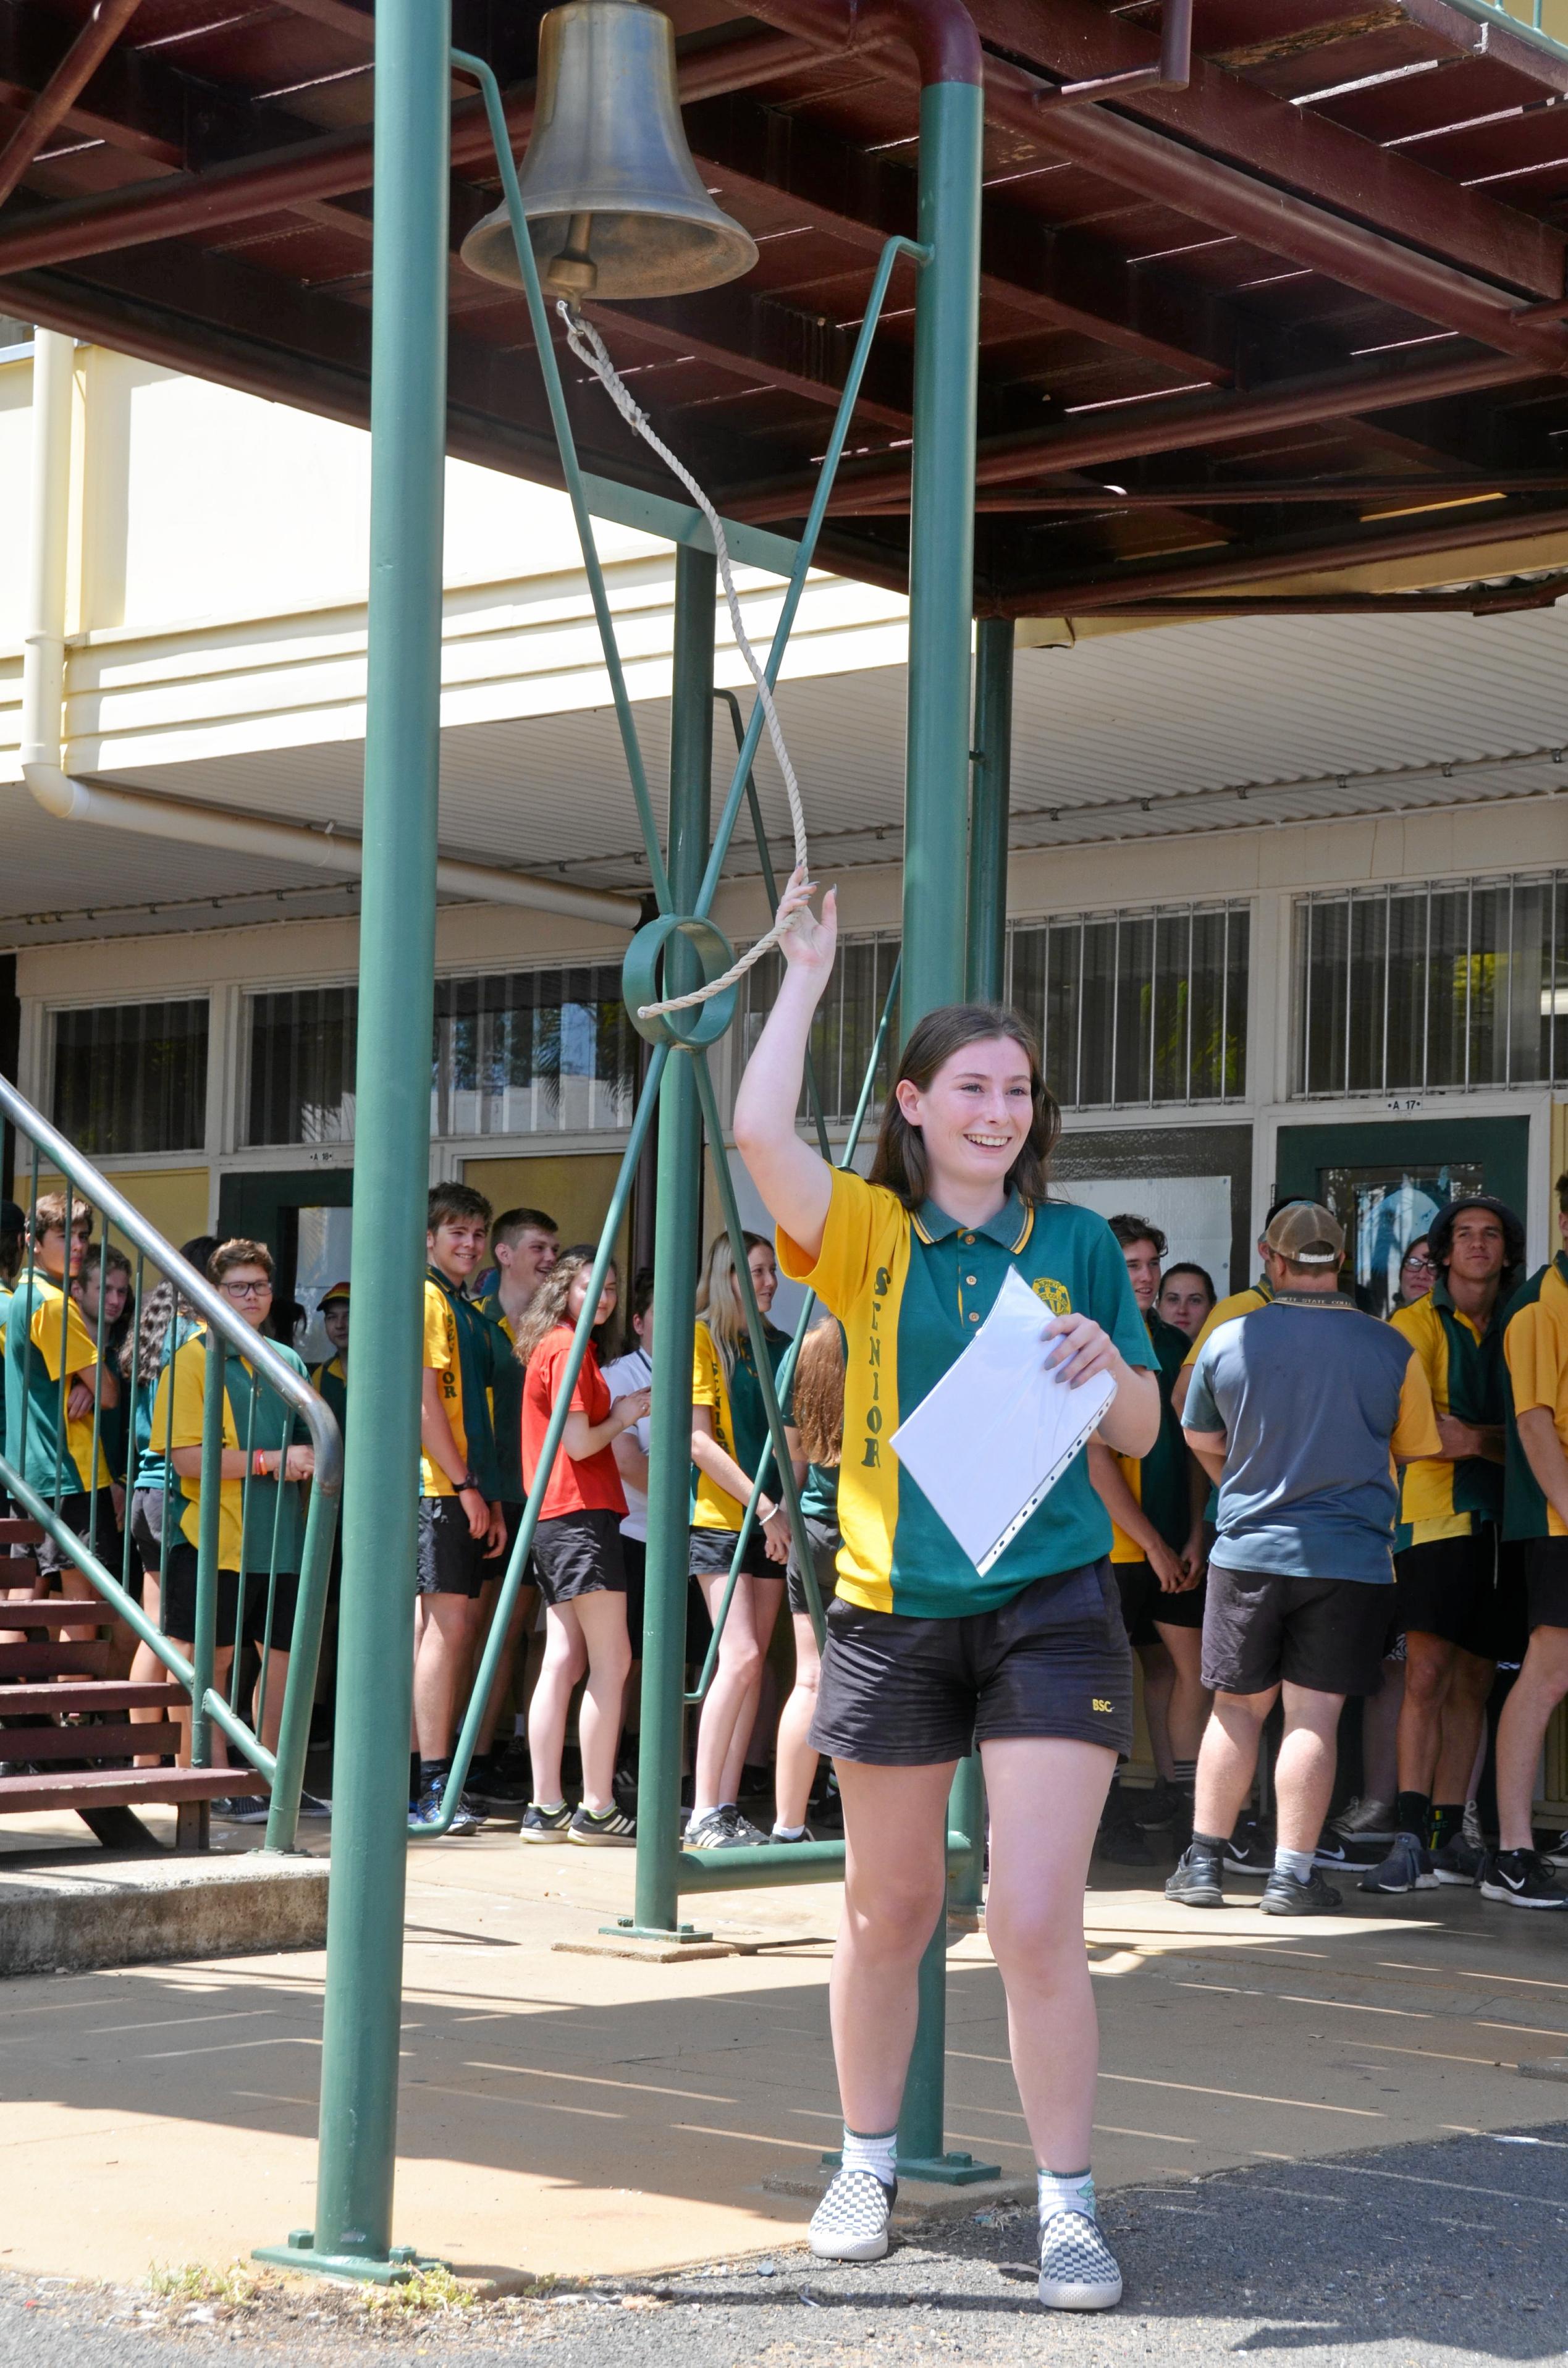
point(1010, 1227)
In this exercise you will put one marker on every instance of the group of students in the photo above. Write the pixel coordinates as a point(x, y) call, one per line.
point(1387, 1520)
point(103, 1419)
point(496, 1353)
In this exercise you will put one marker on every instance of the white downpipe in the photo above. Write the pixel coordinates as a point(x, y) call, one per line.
point(43, 686)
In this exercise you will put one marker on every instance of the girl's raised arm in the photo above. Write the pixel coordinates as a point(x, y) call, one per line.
point(795, 1181)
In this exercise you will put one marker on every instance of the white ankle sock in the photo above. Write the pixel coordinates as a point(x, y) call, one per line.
point(1072, 2191)
point(877, 2154)
point(1296, 1863)
point(788, 1833)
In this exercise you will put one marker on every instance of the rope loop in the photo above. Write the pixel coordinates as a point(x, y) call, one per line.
point(589, 347)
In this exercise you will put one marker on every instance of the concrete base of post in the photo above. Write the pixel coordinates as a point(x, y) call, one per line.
point(401, 2263)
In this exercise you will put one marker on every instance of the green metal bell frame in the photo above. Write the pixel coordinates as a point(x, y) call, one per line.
point(616, 208)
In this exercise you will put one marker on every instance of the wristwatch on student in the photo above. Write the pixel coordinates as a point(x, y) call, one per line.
point(466, 1483)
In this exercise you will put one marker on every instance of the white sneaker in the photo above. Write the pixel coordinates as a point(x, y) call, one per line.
point(853, 2220)
point(1077, 2268)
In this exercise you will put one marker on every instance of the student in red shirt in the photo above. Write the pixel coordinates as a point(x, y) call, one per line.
point(577, 1560)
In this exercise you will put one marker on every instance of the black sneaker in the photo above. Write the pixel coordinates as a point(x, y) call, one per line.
point(1198, 1881)
point(712, 1831)
point(1246, 1852)
point(609, 1828)
point(1459, 1861)
point(1407, 1867)
point(313, 1805)
point(1121, 1843)
point(1284, 1895)
point(249, 1809)
point(805, 1834)
point(1154, 1809)
point(542, 1825)
point(499, 1791)
point(743, 1834)
point(1520, 1878)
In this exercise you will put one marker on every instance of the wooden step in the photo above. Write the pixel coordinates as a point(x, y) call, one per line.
point(120, 1741)
point(57, 1611)
point(15, 1532)
point(149, 1694)
point(87, 1659)
point(18, 1573)
point(97, 1788)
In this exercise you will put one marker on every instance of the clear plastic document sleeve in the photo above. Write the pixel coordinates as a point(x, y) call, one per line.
point(992, 1439)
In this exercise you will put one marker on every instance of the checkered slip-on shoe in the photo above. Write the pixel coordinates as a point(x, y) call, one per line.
point(1077, 2268)
point(852, 2222)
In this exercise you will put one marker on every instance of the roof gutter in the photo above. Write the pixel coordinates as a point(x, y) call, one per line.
point(69, 800)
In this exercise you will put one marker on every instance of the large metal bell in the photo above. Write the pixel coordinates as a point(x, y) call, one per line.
point(614, 203)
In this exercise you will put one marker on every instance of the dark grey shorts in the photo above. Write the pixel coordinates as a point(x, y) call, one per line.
point(451, 1559)
point(1327, 1635)
point(823, 1536)
point(76, 1510)
point(712, 1552)
point(1053, 1662)
point(579, 1553)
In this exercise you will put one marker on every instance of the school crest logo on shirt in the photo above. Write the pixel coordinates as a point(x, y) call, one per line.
point(1055, 1295)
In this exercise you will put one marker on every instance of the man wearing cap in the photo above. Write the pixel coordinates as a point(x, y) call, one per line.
point(1455, 1599)
point(1296, 1408)
point(331, 1381)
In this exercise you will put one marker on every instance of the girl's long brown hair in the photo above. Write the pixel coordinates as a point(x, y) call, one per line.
point(899, 1161)
point(819, 1393)
point(719, 1301)
point(547, 1308)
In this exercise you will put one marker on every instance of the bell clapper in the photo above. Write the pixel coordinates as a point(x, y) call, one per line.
point(573, 270)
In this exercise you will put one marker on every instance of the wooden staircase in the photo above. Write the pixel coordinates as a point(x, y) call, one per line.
point(48, 1676)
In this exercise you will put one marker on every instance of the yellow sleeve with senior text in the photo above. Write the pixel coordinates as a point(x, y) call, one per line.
point(1240, 1302)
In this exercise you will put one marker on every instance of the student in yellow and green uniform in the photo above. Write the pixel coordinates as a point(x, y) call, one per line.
point(261, 1503)
point(1155, 1503)
point(461, 1533)
point(53, 1385)
point(330, 1379)
point(1535, 1349)
point(525, 1244)
point(1456, 1600)
point(926, 1657)
point(728, 1443)
point(1238, 1303)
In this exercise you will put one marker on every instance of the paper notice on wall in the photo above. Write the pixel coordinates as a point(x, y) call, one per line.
point(989, 1443)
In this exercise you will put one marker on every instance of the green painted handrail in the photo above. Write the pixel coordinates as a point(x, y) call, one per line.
point(285, 1768)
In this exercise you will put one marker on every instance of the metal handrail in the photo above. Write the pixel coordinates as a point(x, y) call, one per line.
point(284, 1768)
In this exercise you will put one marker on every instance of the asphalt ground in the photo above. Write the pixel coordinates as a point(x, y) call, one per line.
point(1438, 2252)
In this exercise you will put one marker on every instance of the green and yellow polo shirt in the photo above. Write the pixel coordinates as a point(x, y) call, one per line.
point(911, 1290)
point(330, 1382)
point(1464, 1373)
point(46, 1343)
point(1159, 1480)
point(740, 1421)
point(1535, 1347)
point(507, 1377)
point(256, 1516)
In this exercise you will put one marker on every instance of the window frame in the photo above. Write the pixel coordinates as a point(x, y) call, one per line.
point(55, 1009)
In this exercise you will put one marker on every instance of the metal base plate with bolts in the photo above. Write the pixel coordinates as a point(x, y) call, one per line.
point(939, 2169)
point(402, 2262)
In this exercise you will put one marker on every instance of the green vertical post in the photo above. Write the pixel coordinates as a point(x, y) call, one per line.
point(352, 2236)
point(656, 1907)
point(941, 548)
point(941, 599)
point(991, 789)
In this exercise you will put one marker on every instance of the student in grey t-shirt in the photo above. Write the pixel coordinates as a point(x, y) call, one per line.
point(1299, 1409)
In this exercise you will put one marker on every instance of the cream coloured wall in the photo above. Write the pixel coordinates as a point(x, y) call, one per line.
point(217, 583)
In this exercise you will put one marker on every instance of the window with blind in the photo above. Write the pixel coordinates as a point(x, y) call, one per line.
point(302, 1065)
point(1138, 1007)
point(1423, 987)
point(133, 1077)
point(845, 1028)
point(544, 1051)
point(538, 1051)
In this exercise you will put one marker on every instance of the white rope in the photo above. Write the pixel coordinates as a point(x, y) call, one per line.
point(588, 347)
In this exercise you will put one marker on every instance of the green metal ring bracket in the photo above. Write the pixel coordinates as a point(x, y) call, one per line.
point(703, 1023)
